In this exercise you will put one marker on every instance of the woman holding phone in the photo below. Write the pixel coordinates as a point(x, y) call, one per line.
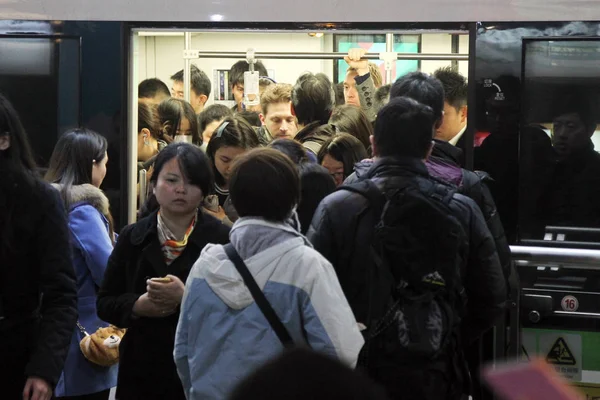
point(144, 281)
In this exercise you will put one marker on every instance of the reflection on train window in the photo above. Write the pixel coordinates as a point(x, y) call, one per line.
point(560, 163)
point(43, 71)
point(376, 44)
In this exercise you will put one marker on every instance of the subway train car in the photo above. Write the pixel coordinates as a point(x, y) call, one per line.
point(534, 87)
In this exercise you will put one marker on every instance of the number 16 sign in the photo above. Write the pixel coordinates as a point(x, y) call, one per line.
point(569, 303)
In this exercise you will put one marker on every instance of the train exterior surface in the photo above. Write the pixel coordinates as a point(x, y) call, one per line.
point(65, 65)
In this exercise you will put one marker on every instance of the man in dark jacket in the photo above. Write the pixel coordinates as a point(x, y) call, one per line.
point(444, 164)
point(312, 103)
point(343, 225)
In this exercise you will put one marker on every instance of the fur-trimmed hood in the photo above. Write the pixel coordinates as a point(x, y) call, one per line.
point(85, 193)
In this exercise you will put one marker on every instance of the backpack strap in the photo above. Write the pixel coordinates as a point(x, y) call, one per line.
point(368, 189)
point(377, 200)
point(442, 193)
point(259, 297)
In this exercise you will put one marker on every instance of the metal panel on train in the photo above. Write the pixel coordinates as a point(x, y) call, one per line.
point(305, 11)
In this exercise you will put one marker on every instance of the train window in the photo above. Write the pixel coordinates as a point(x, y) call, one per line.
point(377, 44)
point(43, 71)
point(560, 140)
point(159, 54)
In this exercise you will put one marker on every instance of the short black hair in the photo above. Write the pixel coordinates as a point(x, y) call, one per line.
point(294, 150)
point(214, 112)
point(150, 88)
point(577, 102)
point(404, 129)
point(455, 85)
point(194, 165)
point(353, 120)
point(251, 117)
point(198, 79)
point(382, 96)
point(315, 185)
point(302, 374)
point(236, 73)
point(338, 88)
point(423, 88)
point(264, 183)
point(312, 98)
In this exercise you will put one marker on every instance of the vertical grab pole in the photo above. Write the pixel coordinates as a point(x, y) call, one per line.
point(187, 45)
point(389, 48)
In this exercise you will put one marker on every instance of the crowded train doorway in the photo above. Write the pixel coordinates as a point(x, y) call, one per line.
point(162, 53)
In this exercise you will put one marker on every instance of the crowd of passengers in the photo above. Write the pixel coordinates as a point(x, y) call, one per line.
point(380, 263)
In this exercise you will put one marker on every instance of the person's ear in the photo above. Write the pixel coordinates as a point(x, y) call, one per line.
point(464, 112)
point(4, 141)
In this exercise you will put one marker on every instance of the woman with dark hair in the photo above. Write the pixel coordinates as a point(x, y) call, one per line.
point(339, 155)
point(77, 169)
point(353, 120)
point(143, 284)
point(38, 295)
point(294, 150)
point(315, 184)
point(209, 120)
point(178, 121)
point(151, 138)
point(222, 334)
point(232, 138)
point(315, 181)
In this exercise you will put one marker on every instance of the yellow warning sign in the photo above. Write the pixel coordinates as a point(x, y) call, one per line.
point(560, 354)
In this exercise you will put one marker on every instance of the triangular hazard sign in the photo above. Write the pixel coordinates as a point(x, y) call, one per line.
point(560, 354)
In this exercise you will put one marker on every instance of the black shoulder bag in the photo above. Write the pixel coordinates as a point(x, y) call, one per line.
point(260, 299)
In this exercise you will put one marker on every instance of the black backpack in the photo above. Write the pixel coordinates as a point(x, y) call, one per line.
point(416, 295)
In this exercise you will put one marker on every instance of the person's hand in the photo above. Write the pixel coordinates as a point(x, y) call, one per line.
point(356, 61)
point(220, 215)
point(166, 293)
point(145, 307)
point(37, 389)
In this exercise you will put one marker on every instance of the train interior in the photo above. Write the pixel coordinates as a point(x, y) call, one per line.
point(533, 110)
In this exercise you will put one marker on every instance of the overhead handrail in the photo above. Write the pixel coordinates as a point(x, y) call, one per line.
point(192, 54)
point(569, 244)
point(534, 256)
point(572, 229)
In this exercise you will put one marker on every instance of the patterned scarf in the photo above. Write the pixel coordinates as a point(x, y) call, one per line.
point(171, 247)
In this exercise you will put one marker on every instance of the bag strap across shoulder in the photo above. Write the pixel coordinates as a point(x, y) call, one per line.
point(368, 189)
point(259, 297)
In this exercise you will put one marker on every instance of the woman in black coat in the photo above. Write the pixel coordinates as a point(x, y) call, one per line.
point(144, 281)
point(38, 295)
